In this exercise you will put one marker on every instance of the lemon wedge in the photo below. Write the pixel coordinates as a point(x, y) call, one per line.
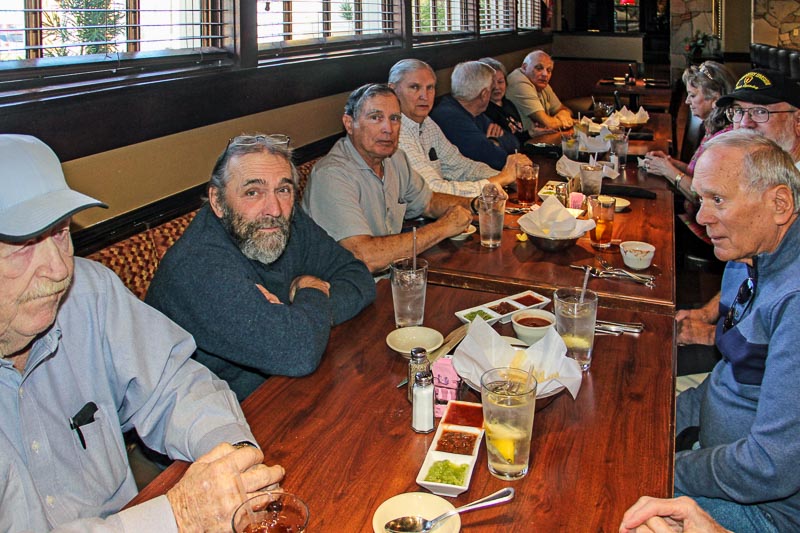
point(505, 447)
point(575, 342)
point(522, 237)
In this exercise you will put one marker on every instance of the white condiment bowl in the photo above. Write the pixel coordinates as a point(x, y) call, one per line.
point(531, 334)
point(636, 254)
point(402, 340)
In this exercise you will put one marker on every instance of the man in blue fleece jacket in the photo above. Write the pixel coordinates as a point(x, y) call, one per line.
point(254, 280)
point(744, 468)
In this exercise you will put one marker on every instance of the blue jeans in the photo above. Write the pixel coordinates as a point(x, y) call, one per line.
point(734, 516)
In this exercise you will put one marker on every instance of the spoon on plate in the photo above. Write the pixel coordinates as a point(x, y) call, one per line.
point(416, 524)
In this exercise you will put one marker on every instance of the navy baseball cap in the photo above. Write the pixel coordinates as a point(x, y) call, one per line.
point(763, 86)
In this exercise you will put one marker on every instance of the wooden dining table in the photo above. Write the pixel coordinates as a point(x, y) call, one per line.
point(517, 264)
point(634, 91)
point(344, 434)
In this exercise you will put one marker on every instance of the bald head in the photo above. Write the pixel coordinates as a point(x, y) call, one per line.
point(538, 67)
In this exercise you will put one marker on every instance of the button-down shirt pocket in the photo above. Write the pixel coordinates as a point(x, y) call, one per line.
point(104, 463)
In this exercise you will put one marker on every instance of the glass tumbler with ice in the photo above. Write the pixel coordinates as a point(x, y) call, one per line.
point(575, 322)
point(491, 213)
point(408, 291)
point(508, 396)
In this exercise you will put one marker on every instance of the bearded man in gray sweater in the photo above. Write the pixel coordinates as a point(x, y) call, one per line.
point(254, 280)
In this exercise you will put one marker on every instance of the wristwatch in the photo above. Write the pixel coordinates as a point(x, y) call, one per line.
point(473, 205)
point(243, 444)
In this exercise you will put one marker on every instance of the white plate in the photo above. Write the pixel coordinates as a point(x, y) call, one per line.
point(415, 503)
point(402, 340)
point(505, 318)
point(465, 235)
point(621, 204)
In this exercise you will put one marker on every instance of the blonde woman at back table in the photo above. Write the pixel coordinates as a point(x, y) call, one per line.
point(704, 86)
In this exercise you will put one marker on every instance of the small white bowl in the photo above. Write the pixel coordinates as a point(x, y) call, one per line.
point(636, 254)
point(621, 205)
point(415, 504)
point(531, 334)
point(465, 235)
point(402, 340)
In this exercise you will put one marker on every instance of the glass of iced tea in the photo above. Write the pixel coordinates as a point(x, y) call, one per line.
point(271, 512)
point(527, 181)
point(601, 209)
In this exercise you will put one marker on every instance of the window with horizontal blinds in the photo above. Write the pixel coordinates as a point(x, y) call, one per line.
point(529, 14)
point(443, 18)
point(60, 31)
point(496, 15)
point(300, 24)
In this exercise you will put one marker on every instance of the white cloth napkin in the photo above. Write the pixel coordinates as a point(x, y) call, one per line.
point(552, 220)
point(629, 117)
point(483, 348)
point(593, 144)
point(590, 125)
point(567, 167)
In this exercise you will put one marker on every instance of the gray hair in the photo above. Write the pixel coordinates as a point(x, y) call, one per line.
point(469, 79)
point(713, 80)
point(530, 58)
point(404, 66)
point(277, 145)
point(495, 64)
point(355, 102)
point(765, 163)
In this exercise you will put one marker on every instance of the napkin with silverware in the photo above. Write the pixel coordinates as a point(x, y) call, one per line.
point(552, 220)
point(483, 348)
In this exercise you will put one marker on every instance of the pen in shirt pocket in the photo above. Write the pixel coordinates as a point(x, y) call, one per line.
point(83, 417)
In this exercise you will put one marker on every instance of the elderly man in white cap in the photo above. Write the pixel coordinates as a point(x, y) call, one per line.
point(83, 361)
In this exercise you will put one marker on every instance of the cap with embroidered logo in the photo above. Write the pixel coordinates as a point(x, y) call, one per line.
point(763, 86)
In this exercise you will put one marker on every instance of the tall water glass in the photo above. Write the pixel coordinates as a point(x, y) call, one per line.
point(601, 209)
point(591, 178)
point(569, 146)
point(408, 291)
point(271, 512)
point(508, 397)
point(527, 183)
point(491, 213)
point(619, 148)
point(575, 322)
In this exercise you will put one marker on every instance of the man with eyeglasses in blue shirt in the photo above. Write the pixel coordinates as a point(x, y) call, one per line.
point(768, 103)
point(738, 442)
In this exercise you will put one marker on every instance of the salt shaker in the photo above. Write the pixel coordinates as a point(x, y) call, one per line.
point(422, 403)
point(417, 363)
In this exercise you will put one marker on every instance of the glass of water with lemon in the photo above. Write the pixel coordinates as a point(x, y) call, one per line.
point(508, 396)
point(576, 315)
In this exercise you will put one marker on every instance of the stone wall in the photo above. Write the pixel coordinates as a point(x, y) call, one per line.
point(686, 18)
point(777, 22)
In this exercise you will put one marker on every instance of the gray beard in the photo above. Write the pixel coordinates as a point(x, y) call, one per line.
point(262, 247)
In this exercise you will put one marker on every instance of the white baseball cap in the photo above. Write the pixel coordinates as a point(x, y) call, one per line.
point(34, 195)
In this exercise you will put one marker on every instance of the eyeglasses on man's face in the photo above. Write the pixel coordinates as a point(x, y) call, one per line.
point(272, 140)
point(757, 114)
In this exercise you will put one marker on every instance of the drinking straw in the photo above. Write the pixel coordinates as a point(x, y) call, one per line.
point(414, 248)
point(585, 283)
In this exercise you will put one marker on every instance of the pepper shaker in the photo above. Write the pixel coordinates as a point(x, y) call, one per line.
point(417, 363)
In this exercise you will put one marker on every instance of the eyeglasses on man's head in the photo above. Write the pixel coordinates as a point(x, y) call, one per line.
point(276, 139)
